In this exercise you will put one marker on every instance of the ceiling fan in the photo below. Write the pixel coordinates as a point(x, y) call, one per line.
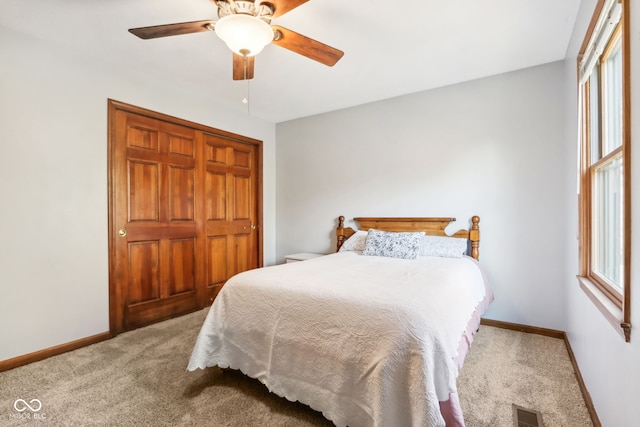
point(245, 26)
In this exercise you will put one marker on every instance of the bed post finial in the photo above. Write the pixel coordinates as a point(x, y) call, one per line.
point(340, 232)
point(474, 237)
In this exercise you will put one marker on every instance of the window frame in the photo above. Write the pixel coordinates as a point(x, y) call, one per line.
point(614, 305)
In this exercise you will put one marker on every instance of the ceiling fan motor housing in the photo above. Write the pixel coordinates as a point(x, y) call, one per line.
point(231, 7)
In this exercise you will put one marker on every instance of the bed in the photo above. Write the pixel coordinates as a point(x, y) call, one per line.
point(371, 335)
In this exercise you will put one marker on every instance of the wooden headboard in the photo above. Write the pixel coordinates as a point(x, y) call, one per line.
point(430, 226)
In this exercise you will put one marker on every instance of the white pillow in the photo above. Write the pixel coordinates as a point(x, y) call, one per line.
point(355, 242)
point(405, 245)
point(442, 246)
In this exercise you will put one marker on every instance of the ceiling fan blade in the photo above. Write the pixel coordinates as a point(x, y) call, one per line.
point(239, 70)
point(305, 46)
point(171, 29)
point(280, 7)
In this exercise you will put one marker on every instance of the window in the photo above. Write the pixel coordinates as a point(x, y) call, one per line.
point(605, 208)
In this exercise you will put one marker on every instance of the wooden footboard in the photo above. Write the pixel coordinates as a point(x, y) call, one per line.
point(430, 226)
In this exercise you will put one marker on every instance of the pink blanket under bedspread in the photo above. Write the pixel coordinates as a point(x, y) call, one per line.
point(367, 341)
point(450, 409)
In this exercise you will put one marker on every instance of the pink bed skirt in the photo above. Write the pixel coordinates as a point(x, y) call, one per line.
point(450, 409)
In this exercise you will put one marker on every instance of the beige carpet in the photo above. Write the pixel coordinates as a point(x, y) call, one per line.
point(507, 367)
point(139, 379)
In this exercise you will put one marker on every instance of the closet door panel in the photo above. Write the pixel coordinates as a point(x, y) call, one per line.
point(216, 196)
point(231, 209)
point(144, 182)
point(154, 180)
point(144, 273)
point(182, 258)
point(182, 193)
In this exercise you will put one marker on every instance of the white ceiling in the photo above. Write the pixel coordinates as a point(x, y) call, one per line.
point(391, 48)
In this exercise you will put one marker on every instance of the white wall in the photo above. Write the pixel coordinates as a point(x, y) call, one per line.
point(53, 187)
point(610, 367)
point(490, 147)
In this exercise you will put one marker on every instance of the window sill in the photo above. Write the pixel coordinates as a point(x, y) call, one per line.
point(610, 311)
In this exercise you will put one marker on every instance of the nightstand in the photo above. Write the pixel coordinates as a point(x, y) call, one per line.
point(302, 256)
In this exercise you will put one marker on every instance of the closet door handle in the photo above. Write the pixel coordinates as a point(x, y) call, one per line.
point(122, 232)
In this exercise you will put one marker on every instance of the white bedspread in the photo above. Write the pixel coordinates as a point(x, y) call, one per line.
point(368, 341)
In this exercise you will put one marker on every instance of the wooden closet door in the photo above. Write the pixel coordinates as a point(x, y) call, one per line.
point(231, 211)
point(156, 178)
point(184, 214)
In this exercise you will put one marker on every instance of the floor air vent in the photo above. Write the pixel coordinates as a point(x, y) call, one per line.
point(523, 417)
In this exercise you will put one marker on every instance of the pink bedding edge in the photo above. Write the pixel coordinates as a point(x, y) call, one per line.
point(450, 409)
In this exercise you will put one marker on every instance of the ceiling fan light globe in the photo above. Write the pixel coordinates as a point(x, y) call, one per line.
point(244, 33)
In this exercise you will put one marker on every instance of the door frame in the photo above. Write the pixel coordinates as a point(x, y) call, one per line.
point(115, 106)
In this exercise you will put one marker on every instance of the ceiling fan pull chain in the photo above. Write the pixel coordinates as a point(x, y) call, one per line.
point(248, 97)
point(245, 60)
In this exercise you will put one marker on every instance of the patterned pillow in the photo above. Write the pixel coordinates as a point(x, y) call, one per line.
point(449, 247)
point(405, 245)
point(355, 242)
